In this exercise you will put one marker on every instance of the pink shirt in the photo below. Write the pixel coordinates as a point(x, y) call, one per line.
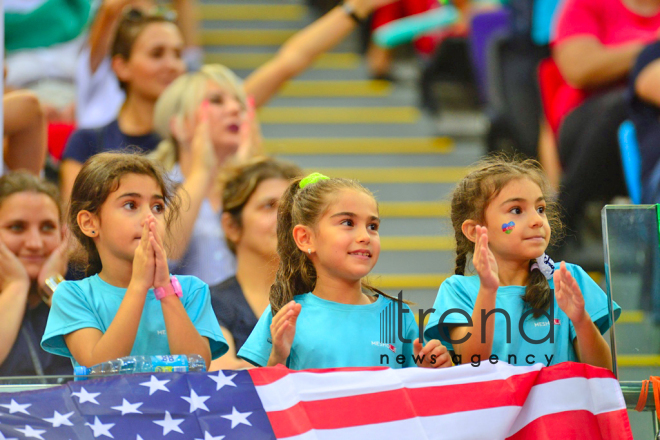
point(608, 20)
point(612, 23)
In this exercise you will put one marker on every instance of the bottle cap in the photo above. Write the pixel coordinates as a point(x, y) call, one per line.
point(82, 371)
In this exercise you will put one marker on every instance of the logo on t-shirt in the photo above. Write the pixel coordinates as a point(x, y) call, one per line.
point(392, 347)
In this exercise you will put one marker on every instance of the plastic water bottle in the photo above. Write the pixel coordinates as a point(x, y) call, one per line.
point(179, 363)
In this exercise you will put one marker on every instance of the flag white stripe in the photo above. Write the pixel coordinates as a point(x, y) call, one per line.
point(309, 387)
point(598, 395)
point(492, 423)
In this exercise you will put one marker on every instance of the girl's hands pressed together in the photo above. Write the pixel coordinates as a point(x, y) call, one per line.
point(11, 269)
point(433, 350)
point(484, 261)
point(282, 331)
point(162, 272)
point(569, 296)
point(144, 263)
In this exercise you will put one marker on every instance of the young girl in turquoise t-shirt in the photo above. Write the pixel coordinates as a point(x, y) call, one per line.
point(518, 308)
point(321, 313)
point(129, 304)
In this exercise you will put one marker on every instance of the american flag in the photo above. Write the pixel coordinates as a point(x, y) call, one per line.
point(568, 400)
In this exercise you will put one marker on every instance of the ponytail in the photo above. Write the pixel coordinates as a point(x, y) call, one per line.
point(463, 248)
point(296, 273)
point(537, 293)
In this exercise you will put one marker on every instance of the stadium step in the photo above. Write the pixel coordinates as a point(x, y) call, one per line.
point(255, 12)
point(250, 61)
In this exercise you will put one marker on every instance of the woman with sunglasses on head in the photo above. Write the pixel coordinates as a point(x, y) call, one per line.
point(146, 58)
point(99, 96)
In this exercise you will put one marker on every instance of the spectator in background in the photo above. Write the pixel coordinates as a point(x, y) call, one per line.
point(250, 198)
point(24, 132)
point(99, 95)
point(42, 41)
point(32, 261)
point(146, 57)
point(644, 108)
point(379, 58)
point(204, 119)
point(596, 44)
point(201, 119)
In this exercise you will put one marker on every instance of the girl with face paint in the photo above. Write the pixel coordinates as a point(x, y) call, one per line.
point(504, 216)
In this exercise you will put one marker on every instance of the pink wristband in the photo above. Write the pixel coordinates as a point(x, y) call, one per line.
point(161, 292)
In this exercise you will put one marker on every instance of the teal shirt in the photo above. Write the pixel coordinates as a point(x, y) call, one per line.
point(460, 292)
point(93, 303)
point(333, 335)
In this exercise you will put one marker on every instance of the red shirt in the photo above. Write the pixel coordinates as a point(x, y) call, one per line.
point(611, 22)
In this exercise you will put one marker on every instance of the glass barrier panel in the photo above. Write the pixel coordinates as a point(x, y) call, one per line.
point(632, 272)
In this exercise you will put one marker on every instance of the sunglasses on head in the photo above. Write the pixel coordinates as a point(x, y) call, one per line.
point(138, 15)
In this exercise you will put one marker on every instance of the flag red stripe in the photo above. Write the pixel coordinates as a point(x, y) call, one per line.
point(268, 375)
point(565, 370)
point(400, 404)
point(611, 425)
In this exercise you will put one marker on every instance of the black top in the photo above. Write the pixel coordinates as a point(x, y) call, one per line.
point(26, 356)
point(645, 115)
point(233, 311)
point(87, 142)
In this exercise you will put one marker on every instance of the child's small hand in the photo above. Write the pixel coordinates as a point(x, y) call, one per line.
point(569, 296)
point(432, 351)
point(484, 261)
point(282, 331)
point(144, 263)
point(162, 272)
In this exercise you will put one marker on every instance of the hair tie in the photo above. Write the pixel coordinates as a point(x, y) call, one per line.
point(545, 264)
point(312, 178)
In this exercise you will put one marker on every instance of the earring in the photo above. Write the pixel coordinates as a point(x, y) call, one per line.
point(93, 232)
point(309, 251)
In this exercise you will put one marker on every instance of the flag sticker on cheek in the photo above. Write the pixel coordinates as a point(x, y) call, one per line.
point(508, 227)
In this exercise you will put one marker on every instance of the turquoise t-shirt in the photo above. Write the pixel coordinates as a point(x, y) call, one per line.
point(92, 302)
point(333, 335)
point(460, 292)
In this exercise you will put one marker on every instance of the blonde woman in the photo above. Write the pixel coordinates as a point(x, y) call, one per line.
point(204, 119)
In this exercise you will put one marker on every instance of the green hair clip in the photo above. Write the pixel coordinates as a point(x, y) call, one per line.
point(312, 178)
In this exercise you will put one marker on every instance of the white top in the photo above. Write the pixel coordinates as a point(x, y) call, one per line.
point(99, 96)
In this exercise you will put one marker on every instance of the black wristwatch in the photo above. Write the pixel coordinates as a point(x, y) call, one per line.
point(350, 10)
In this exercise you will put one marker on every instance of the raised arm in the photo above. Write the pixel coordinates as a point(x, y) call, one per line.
point(302, 49)
point(187, 21)
point(103, 29)
point(589, 344)
point(486, 266)
point(25, 132)
point(198, 157)
point(586, 63)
